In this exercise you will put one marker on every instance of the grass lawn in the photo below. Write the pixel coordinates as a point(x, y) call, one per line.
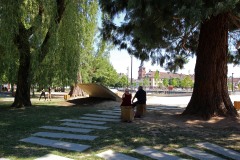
point(163, 130)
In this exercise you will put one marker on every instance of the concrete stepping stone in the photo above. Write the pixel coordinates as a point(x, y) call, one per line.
point(83, 125)
point(64, 135)
point(161, 108)
point(111, 155)
point(4, 159)
point(220, 150)
point(82, 121)
point(68, 129)
point(56, 144)
point(101, 119)
point(101, 110)
point(117, 109)
point(155, 154)
point(198, 154)
point(102, 116)
point(111, 113)
point(52, 157)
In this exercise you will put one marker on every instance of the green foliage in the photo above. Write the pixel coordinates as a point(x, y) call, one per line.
point(187, 82)
point(157, 76)
point(165, 82)
point(122, 82)
point(165, 31)
point(176, 82)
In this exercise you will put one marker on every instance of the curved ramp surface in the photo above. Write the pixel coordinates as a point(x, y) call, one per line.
point(100, 91)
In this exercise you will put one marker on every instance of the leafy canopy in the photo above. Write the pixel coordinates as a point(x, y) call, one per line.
point(166, 31)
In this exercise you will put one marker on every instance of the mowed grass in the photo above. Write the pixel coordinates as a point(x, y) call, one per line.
point(158, 130)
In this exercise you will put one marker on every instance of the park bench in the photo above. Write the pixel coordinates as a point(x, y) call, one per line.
point(127, 113)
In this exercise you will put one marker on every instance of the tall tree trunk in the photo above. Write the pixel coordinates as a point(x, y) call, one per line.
point(22, 97)
point(75, 89)
point(210, 94)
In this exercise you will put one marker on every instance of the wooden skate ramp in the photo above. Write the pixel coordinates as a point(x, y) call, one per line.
point(100, 91)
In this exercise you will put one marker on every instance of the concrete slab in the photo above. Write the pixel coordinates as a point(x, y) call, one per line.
point(101, 119)
point(65, 136)
point(4, 159)
point(161, 108)
point(98, 90)
point(198, 154)
point(56, 144)
point(155, 154)
point(111, 155)
point(52, 157)
point(104, 110)
point(67, 129)
point(111, 113)
point(84, 125)
point(220, 150)
point(82, 121)
point(102, 116)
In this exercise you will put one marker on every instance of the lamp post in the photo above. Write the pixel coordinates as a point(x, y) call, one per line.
point(131, 69)
point(232, 82)
point(127, 75)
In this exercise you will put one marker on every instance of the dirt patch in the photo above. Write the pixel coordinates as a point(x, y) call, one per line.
point(174, 118)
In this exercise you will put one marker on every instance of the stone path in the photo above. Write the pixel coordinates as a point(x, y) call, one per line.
point(56, 144)
point(111, 113)
point(77, 126)
point(67, 129)
point(102, 116)
point(114, 111)
point(82, 121)
point(162, 107)
point(152, 153)
point(52, 157)
point(83, 125)
point(111, 155)
point(198, 154)
point(220, 150)
point(90, 122)
point(65, 136)
point(101, 119)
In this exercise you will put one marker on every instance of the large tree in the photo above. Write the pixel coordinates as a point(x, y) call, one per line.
point(169, 32)
point(38, 35)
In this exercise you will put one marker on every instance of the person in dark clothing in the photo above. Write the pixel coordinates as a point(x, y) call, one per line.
point(141, 97)
point(126, 98)
point(42, 94)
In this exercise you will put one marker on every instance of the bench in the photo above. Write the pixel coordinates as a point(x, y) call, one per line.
point(141, 110)
point(127, 113)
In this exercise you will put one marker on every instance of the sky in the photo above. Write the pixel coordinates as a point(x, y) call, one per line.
point(121, 61)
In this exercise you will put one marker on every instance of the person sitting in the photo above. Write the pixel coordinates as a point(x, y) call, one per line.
point(126, 98)
point(127, 112)
point(141, 98)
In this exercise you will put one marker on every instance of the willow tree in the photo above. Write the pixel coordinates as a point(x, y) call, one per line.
point(31, 30)
point(169, 32)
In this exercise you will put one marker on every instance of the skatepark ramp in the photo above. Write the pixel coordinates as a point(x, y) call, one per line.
point(99, 91)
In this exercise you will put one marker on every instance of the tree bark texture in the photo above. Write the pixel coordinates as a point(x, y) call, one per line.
point(22, 97)
point(210, 94)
